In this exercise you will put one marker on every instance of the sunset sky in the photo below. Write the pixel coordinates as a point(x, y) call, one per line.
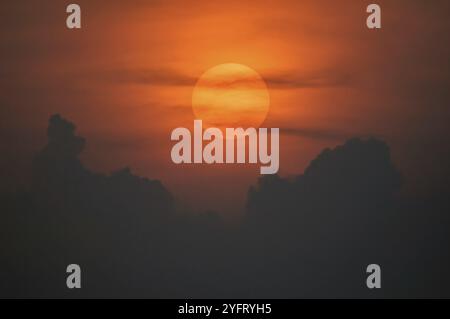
point(126, 80)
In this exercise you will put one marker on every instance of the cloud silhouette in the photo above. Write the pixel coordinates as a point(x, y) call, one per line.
point(311, 235)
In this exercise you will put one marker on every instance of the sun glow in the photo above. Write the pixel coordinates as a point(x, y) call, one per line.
point(231, 95)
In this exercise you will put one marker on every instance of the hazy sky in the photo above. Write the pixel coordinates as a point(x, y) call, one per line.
point(126, 79)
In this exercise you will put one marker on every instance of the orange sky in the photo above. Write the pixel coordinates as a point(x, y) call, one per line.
point(126, 80)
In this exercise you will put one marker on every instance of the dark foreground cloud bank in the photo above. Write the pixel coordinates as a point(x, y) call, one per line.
point(308, 236)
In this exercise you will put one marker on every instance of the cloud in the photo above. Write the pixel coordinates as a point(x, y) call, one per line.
point(315, 133)
point(333, 219)
point(158, 77)
point(294, 79)
point(318, 79)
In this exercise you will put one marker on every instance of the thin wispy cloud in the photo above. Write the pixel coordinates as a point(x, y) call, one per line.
point(297, 80)
point(312, 133)
point(157, 77)
point(280, 80)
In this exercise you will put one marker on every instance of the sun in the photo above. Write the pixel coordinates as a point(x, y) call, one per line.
point(231, 95)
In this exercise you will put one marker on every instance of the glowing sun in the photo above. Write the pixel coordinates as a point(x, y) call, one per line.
point(231, 95)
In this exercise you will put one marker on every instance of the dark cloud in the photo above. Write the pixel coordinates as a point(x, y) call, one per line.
point(341, 215)
point(311, 235)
